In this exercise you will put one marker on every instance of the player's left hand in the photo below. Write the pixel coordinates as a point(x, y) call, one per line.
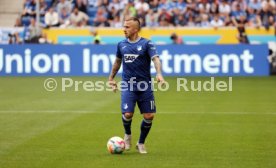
point(160, 79)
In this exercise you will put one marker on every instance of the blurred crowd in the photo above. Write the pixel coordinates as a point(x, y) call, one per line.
point(152, 13)
point(189, 13)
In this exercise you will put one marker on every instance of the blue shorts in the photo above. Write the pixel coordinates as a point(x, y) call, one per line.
point(144, 99)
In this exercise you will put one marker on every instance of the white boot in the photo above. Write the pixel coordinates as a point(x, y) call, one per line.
point(141, 148)
point(127, 140)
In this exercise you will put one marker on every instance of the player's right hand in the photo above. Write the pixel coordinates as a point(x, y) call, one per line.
point(112, 83)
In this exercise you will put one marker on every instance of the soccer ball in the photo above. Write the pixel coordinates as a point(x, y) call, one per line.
point(116, 145)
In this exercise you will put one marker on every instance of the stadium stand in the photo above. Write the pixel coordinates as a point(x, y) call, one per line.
point(9, 11)
point(168, 12)
point(253, 15)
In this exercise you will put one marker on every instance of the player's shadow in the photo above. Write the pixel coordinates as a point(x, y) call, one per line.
point(125, 153)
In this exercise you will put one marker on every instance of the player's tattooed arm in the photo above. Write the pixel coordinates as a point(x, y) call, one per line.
point(115, 68)
point(157, 64)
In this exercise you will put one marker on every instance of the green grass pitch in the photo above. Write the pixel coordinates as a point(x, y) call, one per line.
point(41, 129)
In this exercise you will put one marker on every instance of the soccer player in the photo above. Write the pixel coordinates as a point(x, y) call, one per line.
point(136, 53)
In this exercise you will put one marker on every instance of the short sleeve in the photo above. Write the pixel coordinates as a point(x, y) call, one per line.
point(152, 52)
point(118, 54)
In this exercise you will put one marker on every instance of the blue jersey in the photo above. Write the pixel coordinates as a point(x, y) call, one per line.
point(136, 58)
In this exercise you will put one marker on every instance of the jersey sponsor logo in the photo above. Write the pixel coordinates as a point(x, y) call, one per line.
point(124, 47)
point(129, 58)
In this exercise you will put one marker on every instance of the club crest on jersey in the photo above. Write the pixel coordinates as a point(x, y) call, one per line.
point(125, 106)
point(139, 48)
point(129, 58)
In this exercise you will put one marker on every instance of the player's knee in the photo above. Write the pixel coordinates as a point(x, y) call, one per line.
point(128, 115)
point(148, 116)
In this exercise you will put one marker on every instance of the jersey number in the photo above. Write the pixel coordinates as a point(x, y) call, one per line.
point(152, 104)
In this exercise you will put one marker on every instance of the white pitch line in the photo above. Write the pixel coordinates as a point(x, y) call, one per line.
point(224, 113)
point(51, 111)
point(116, 112)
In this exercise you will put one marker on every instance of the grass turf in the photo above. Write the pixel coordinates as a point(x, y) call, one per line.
point(191, 129)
